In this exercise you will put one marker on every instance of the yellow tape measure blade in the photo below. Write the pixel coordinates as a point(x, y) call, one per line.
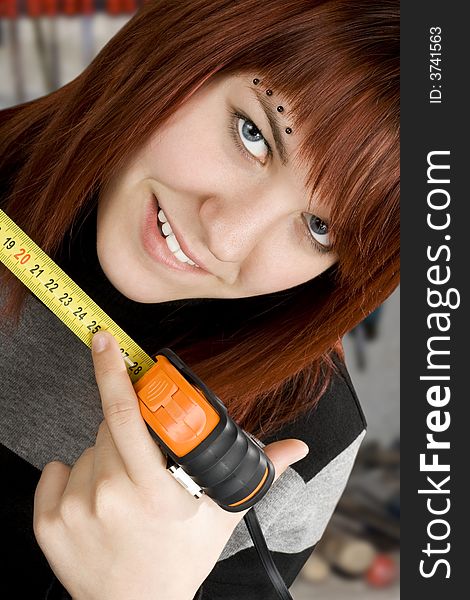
point(33, 267)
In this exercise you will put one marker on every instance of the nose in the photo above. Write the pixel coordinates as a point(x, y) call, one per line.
point(235, 224)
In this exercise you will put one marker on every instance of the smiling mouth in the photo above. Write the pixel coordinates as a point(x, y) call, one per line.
point(170, 238)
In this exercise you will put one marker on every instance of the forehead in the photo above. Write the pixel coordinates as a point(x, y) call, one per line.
point(273, 113)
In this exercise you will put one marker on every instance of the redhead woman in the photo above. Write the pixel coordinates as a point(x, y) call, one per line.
point(223, 179)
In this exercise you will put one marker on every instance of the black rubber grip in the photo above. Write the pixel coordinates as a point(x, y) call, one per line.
point(228, 465)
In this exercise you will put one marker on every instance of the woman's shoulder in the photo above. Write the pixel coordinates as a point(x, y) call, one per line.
point(333, 430)
point(295, 512)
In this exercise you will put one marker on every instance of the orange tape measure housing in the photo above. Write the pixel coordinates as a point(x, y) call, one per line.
point(175, 410)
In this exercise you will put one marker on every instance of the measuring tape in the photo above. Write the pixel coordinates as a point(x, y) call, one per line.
point(183, 415)
point(234, 471)
point(63, 296)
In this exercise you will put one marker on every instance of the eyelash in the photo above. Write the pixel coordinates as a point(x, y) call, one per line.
point(235, 116)
point(316, 245)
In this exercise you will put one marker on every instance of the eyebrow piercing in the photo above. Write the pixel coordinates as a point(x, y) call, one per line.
point(279, 108)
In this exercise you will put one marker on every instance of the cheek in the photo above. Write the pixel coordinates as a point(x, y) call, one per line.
point(282, 267)
point(185, 157)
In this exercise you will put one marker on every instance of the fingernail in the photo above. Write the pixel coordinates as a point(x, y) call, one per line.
point(99, 342)
point(302, 453)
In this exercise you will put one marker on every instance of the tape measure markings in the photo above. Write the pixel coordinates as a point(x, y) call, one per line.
point(75, 309)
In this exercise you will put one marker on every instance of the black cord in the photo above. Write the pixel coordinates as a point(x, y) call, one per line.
point(257, 536)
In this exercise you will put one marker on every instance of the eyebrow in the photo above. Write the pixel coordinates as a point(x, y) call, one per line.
point(274, 123)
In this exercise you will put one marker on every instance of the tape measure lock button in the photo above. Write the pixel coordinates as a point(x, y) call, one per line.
point(179, 412)
point(159, 389)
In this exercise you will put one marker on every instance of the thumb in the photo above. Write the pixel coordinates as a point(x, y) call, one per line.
point(284, 453)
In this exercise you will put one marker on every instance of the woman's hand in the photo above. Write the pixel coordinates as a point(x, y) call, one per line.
point(117, 525)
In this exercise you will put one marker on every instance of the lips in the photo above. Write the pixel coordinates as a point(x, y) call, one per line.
point(156, 246)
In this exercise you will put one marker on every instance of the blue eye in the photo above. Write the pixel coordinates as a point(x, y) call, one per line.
point(318, 230)
point(252, 139)
point(249, 138)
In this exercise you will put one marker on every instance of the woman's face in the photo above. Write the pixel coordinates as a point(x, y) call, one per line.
point(235, 213)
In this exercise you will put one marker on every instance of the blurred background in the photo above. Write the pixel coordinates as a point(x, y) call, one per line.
point(46, 43)
point(358, 556)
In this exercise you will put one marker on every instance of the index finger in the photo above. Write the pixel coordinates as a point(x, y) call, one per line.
point(140, 454)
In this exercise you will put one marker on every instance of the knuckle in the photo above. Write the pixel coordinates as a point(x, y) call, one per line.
point(111, 371)
point(70, 509)
point(43, 526)
point(105, 499)
point(119, 412)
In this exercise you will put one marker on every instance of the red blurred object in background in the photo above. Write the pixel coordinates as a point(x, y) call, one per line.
point(87, 7)
point(382, 572)
point(70, 7)
point(129, 6)
point(50, 7)
point(8, 9)
point(34, 8)
point(118, 7)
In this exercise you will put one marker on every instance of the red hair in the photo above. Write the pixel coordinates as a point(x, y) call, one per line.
point(337, 63)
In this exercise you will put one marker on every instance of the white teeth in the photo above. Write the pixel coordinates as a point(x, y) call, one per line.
point(171, 240)
point(166, 228)
point(181, 256)
point(172, 243)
